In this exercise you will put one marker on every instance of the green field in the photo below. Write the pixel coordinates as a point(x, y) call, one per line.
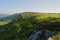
point(4, 22)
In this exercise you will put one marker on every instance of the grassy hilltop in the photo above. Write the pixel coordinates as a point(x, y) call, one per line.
point(28, 23)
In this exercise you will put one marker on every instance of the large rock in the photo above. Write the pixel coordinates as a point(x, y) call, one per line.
point(48, 33)
point(35, 36)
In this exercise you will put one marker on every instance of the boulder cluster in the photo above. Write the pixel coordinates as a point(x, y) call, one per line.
point(47, 35)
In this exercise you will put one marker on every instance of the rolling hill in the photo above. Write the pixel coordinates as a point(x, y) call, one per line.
point(9, 17)
point(6, 19)
point(28, 23)
point(3, 15)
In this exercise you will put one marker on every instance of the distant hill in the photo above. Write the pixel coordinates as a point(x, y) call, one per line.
point(28, 23)
point(3, 15)
point(9, 17)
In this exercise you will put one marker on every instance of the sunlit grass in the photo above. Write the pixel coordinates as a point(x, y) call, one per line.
point(4, 22)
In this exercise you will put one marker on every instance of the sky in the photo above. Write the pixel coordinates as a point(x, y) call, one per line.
point(18, 6)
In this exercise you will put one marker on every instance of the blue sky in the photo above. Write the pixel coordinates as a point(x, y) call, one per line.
point(18, 6)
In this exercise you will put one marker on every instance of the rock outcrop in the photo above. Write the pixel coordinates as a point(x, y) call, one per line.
point(47, 35)
point(35, 36)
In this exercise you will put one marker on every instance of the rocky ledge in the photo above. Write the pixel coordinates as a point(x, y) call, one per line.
point(47, 34)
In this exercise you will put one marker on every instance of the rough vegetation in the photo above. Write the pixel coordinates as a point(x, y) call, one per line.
point(29, 23)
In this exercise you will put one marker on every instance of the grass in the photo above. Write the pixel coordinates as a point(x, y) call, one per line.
point(4, 22)
point(55, 37)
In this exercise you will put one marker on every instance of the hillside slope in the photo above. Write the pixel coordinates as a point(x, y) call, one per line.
point(29, 23)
